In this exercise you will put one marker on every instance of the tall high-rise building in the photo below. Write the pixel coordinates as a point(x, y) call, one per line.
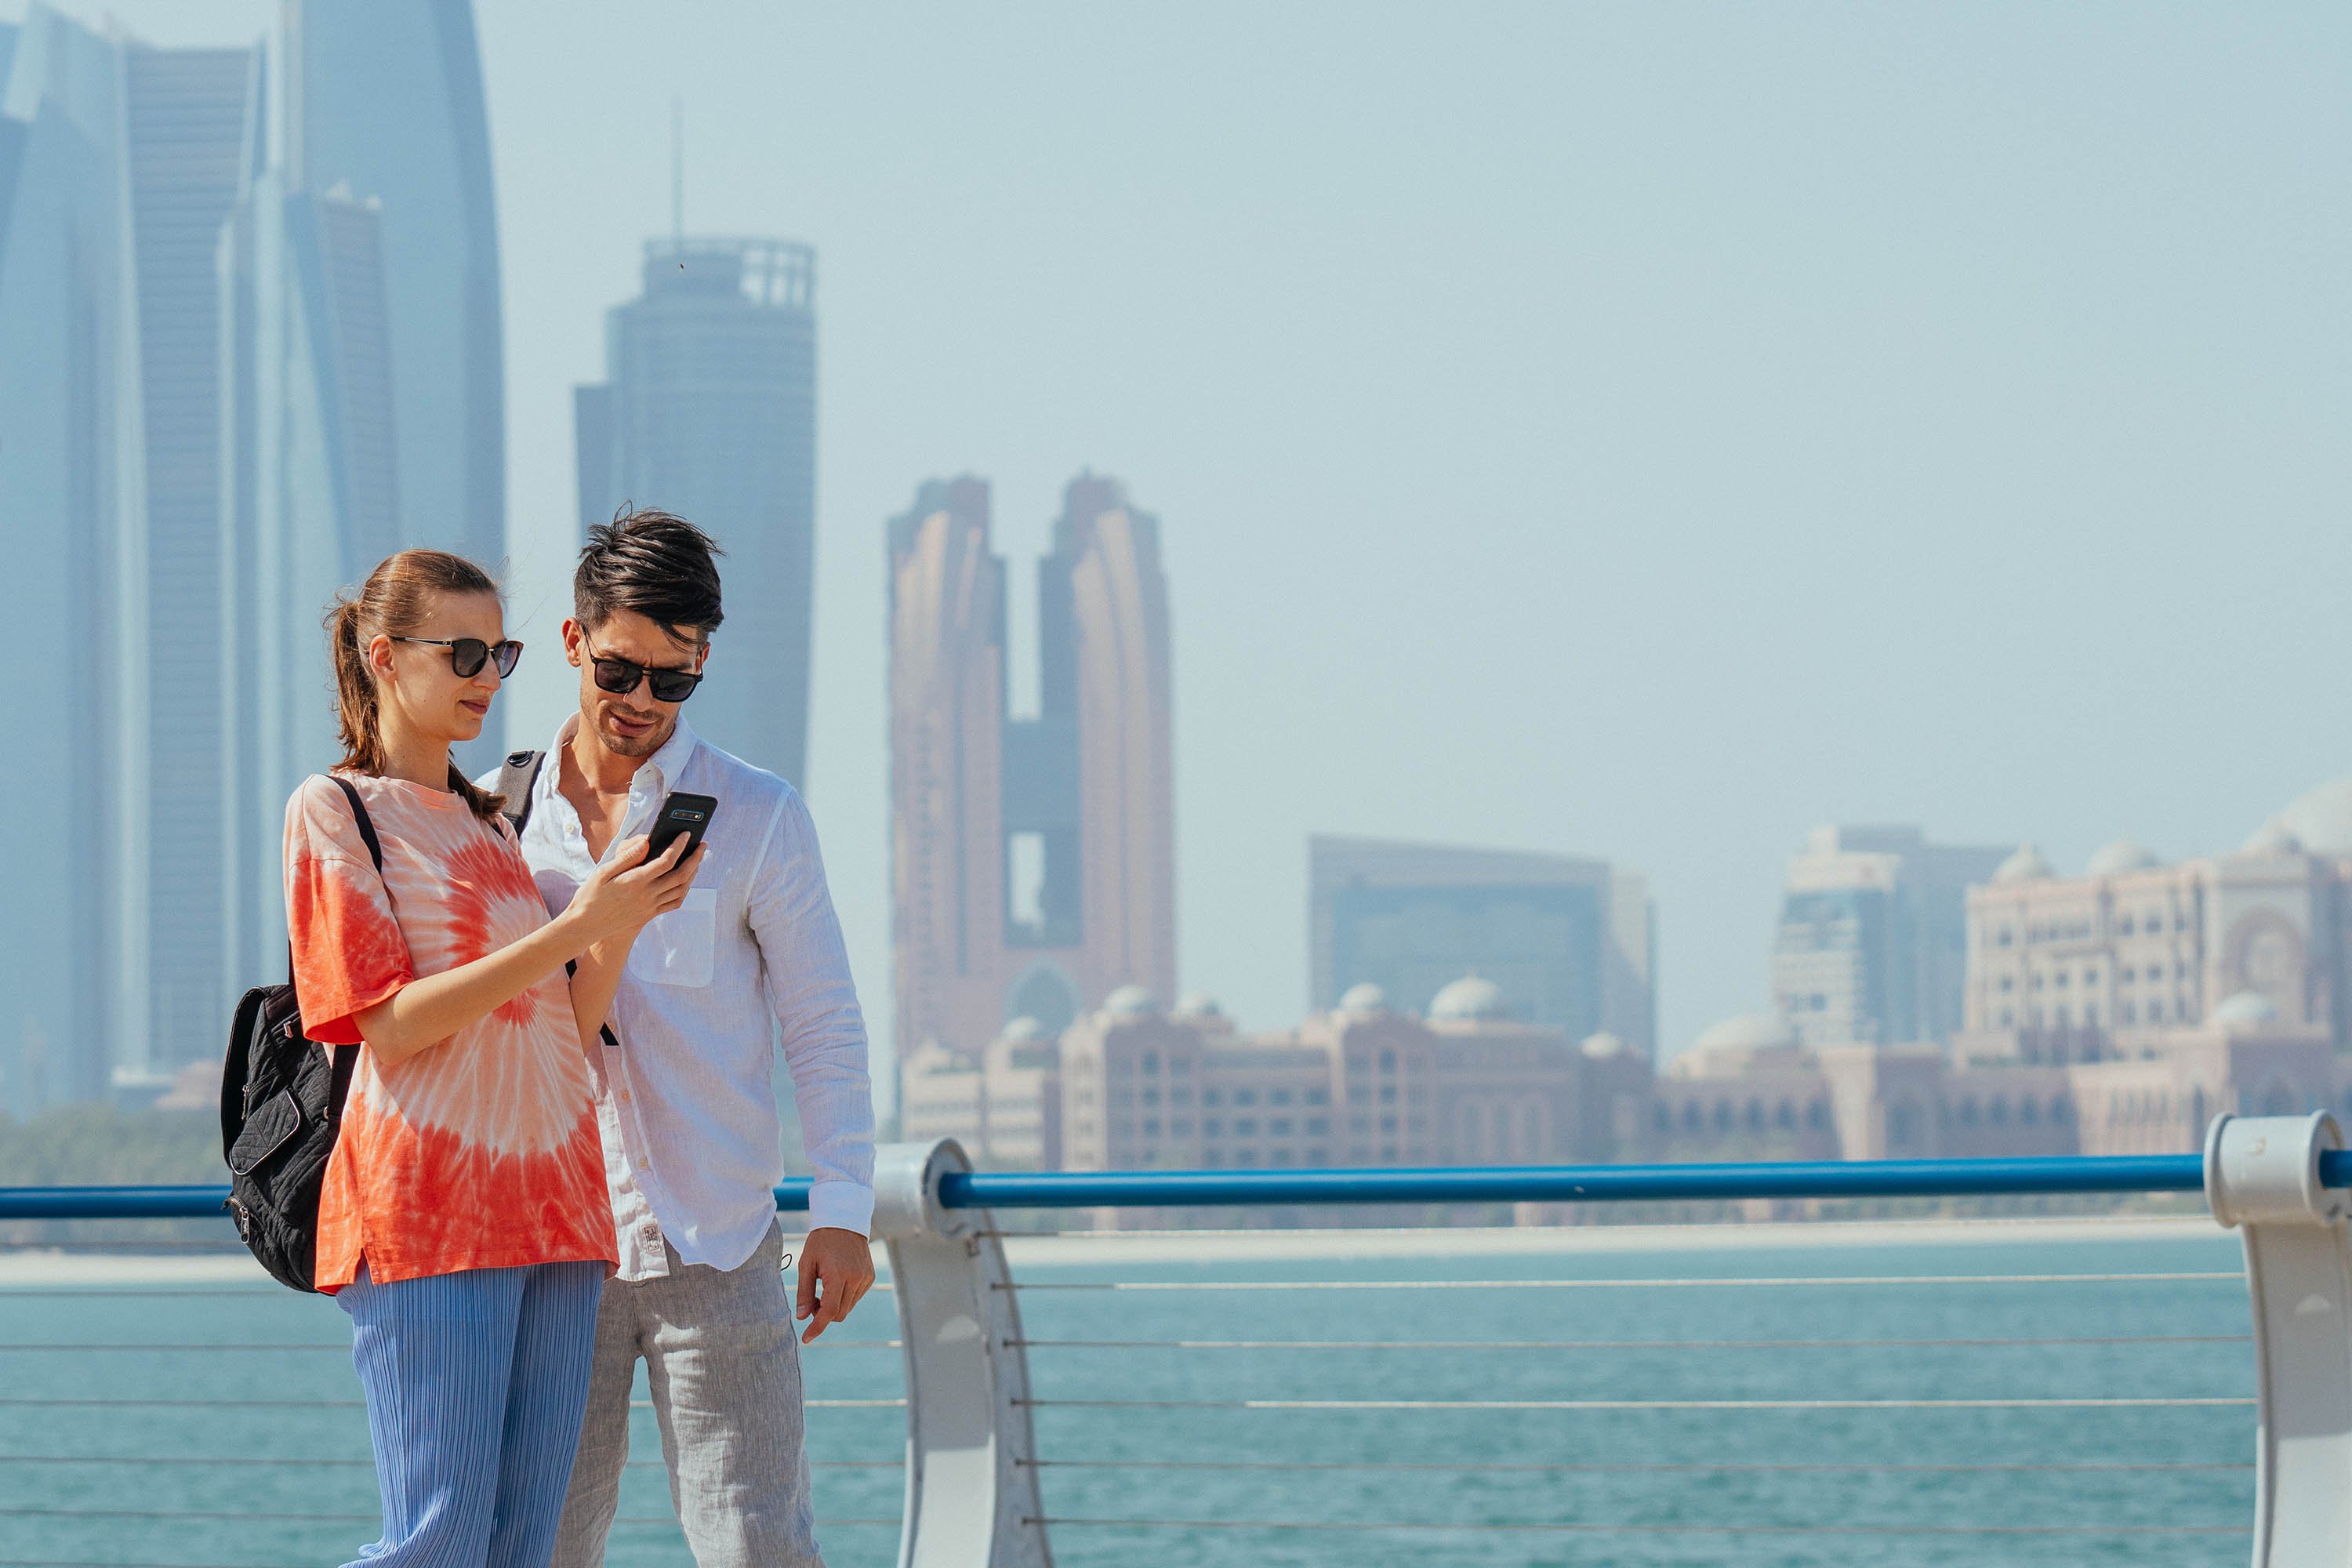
point(366, 395)
point(709, 410)
point(311, 501)
point(384, 109)
point(1567, 939)
point(189, 119)
point(1033, 858)
point(126, 162)
point(1872, 946)
point(64, 404)
point(227, 386)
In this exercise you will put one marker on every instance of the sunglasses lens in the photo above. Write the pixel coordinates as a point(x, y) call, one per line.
point(620, 677)
point(507, 654)
point(466, 656)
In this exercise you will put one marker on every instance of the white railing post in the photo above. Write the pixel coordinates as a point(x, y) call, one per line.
point(971, 1481)
point(2262, 1175)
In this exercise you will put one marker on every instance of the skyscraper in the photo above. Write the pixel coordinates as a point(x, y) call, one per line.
point(64, 402)
point(121, 164)
point(311, 501)
point(1033, 859)
point(709, 410)
point(1872, 944)
point(385, 110)
point(1566, 940)
point(189, 116)
point(361, 322)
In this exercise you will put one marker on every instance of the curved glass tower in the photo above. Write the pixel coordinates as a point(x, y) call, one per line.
point(384, 110)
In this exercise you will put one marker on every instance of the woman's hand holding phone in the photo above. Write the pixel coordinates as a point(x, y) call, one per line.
point(628, 889)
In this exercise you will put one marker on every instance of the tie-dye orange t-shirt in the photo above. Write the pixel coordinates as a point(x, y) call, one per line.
point(481, 1151)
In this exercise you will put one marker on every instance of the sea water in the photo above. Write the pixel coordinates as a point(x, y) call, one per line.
point(282, 1477)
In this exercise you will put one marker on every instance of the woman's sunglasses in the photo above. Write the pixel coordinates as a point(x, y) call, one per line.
point(620, 677)
point(467, 654)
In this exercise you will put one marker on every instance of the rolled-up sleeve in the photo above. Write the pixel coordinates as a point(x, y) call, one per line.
point(807, 975)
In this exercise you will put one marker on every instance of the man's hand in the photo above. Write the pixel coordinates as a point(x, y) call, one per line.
point(837, 1270)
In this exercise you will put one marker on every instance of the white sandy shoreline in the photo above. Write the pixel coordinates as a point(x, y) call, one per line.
point(1099, 1249)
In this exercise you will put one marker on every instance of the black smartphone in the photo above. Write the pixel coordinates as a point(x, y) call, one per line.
point(683, 817)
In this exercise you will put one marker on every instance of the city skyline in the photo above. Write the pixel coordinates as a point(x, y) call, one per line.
point(251, 314)
point(1837, 488)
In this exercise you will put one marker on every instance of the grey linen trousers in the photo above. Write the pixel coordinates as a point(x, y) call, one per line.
point(724, 1364)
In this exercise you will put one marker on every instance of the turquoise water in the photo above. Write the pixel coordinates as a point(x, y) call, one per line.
point(300, 1459)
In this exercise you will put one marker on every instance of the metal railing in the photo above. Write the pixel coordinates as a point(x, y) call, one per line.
point(2095, 1406)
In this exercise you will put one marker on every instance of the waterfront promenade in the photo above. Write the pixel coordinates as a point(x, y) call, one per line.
point(2025, 1391)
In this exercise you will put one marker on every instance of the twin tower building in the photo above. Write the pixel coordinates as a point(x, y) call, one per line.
point(1032, 854)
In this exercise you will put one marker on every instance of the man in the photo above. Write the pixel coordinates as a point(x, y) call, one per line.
point(692, 1141)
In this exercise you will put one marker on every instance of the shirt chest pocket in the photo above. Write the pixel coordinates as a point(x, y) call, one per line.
point(679, 947)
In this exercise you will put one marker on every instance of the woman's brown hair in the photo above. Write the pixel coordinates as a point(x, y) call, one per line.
point(393, 602)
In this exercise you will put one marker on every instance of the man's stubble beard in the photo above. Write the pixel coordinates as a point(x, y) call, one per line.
point(636, 750)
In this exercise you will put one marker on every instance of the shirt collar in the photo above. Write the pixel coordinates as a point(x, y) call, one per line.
point(671, 760)
point(668, 763)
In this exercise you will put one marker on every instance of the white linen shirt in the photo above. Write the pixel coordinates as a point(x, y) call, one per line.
point(692, 1140)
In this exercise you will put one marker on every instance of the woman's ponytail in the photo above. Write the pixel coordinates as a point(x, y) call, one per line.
point(356, 702)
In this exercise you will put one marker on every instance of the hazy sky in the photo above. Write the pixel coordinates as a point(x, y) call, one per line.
point(1635, 430)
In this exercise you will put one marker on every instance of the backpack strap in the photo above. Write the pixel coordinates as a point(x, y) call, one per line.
point(517, 778)
point(347, 1057)
point(366, 826)
point(360, 815)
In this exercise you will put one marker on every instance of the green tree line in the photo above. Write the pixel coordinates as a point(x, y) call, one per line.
point(97, 1145)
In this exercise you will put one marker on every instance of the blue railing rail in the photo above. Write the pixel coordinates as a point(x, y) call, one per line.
point(2052, 1176)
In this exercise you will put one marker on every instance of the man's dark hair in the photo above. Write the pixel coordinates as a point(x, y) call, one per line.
point(654, 563)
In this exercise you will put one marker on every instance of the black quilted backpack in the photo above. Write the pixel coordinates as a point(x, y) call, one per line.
point(281, 1102)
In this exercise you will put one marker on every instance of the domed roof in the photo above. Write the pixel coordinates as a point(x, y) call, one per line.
point(1472, 997)
point(1602, 1046)
point(2245, 1007)
point(1021, 1029)
point(2322, 818)
point(1364, 998)
point(1747, 1032)
point(1199, 1005)
point(1132, 1002)
point(2123, 856)
point(2271, 838)
point(2026, 866)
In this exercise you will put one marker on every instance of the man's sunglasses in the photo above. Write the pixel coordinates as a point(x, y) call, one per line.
point(467, 654)
point(620, 677)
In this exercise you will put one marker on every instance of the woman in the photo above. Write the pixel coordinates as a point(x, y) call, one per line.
point(464, 1222)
